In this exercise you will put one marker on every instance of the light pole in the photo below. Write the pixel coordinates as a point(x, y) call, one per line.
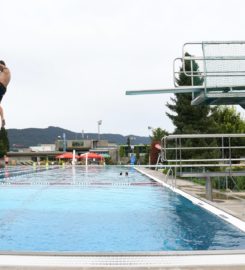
point(58, 143)
point(150, 129)
point(64, 142)
point(99, 124)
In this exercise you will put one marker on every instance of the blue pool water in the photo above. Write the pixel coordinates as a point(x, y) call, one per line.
point(74, 209)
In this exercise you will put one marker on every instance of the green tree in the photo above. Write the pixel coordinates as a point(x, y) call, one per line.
point(137, 153)
point(122, 152)
point(129, 145)
point(4, 142)
point(146, 157)
point(158, 134)
point(187, 118)
point(228, 120)
point(2, 152)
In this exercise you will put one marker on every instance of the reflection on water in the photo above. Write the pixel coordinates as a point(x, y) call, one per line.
point(200, 230)
point(97, 209)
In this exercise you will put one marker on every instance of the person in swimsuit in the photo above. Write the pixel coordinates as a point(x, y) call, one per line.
point(4, 81)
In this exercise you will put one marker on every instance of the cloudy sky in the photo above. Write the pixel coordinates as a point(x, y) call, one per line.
point(73, 60)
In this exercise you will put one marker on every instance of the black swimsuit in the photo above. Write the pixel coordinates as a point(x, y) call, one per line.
point(2, 91)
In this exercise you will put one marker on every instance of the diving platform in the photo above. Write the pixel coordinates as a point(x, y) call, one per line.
point(215, 71)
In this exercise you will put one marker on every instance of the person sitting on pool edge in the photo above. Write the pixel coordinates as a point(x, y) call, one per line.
point(4, 81)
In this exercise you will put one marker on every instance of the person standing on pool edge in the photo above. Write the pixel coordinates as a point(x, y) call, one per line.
point(4, 81)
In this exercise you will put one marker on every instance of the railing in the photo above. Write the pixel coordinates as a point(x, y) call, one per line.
point(221, 64)
point(169, 174)
point(187, 155)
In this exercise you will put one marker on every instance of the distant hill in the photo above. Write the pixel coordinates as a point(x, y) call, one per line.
point(35, 136)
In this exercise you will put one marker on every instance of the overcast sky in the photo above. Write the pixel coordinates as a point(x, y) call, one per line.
point(73, 60)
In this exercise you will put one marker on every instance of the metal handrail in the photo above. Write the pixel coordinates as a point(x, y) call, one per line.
point(170, 171)
point(207, 147)
point(215, 135)
point(205, 73)
point(221, 161)
point(208, 160)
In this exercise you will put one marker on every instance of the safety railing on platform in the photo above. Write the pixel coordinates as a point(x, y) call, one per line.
point(220, 64)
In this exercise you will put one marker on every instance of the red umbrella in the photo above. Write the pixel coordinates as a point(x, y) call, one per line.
point(91, 155)
point(67, 155)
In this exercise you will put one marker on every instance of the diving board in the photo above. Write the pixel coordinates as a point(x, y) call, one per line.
point(164, 91)
point(220, 78)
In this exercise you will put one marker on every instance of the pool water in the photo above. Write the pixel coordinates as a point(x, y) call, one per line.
point(97, 209)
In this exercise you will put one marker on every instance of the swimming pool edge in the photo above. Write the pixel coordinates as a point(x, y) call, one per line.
point(184, 260)
point(203, 204)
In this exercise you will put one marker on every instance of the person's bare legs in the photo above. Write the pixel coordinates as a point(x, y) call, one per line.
point(2, 116)
point(5, 77)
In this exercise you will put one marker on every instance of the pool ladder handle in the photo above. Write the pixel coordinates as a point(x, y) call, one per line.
point(169, 174)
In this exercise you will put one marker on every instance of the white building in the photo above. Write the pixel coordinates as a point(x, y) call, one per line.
point(43, 148)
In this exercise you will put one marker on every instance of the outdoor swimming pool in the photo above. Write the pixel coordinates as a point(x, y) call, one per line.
point(95, 209)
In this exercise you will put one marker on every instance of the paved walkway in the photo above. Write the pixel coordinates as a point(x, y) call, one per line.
point(230, 202)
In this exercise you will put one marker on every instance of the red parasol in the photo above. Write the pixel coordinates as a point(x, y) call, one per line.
point(67, 155)
point(91, 155)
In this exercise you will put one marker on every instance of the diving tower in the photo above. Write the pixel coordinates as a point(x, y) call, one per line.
point(219, 79)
